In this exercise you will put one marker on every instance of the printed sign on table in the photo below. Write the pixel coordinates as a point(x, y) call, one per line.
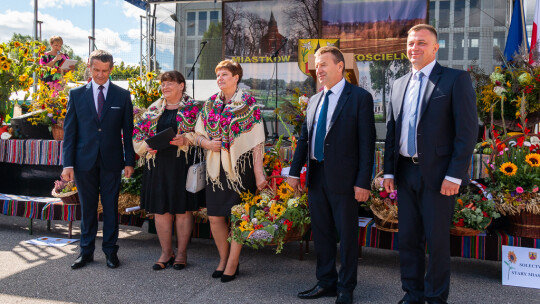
point(521, 266)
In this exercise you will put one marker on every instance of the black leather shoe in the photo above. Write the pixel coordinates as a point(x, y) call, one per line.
point(112, 260)
point(317, 292)
point(227, 278)
point(344, 297)
point(82, 260)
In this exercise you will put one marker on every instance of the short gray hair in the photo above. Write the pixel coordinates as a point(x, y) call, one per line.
point(102, 56)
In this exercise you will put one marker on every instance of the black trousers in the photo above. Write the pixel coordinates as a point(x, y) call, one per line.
point(330, 212)
point(425, 216)
point(90, 185)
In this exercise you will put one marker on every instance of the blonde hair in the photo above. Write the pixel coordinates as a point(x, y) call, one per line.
point(54, 39)
point(423, 26)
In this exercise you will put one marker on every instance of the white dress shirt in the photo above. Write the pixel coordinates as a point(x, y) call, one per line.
point(408, 103)
point(332, 103)
point(95, 90)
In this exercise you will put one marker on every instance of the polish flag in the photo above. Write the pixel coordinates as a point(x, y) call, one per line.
point(534, 38)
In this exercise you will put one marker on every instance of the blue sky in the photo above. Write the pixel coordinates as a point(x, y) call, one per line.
point(117, 25)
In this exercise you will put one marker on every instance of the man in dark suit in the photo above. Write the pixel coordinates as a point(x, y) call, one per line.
point(98, 115)
point(338, 143)
point(431, 131)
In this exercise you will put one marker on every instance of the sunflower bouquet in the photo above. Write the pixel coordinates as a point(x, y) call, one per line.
point(18, 61)
point(145, 90)
point(269, 217)
point(50, 103)
point(515, 174)
point(473, 211)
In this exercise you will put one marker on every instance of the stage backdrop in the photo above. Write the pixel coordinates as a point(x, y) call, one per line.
point(375, 31)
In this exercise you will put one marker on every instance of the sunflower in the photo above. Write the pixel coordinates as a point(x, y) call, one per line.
point(5, 67)
point(63, 101)
point(16, 44)
point(277, 210)
point(285, 190)
point(23, 77)
point(3, 59)
point(63, 113)
point(533, 159)
point(149, 75)
point(512, 257)
point(508, 169)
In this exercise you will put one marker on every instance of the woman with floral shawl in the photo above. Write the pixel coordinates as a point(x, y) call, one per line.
point(231, 130)
point(164, 180)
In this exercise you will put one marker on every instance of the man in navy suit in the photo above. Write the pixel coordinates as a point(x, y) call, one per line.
point(98, 115)
point(431, 132)
point(338, 143)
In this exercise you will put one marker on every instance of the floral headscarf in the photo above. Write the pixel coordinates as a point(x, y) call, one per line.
point(146, 124)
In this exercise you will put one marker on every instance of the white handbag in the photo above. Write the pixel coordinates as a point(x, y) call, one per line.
point(196, 177)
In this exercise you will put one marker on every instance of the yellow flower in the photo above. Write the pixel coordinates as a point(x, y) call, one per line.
point(63, 113)
point(148, 99)
point(16, 44)
point(243, 225)
point(508, 169)
point(255, 200)
point(23, 77)
point(533, 159)
point(285, 191)
point(277, 210)
point(3, 59)
point(149, 75)
point(512, 257)
point(53, 71)
point(42, 48)
point(139, 78)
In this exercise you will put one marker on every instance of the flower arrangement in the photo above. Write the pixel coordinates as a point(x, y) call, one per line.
point(18, 61)
point(473, 210)
point(145, 90)
point(383, 205)
point(66, 191)
point(515, 174)
point(62, 186)
point(50, 102)
point(266, 218)
point(294, 111)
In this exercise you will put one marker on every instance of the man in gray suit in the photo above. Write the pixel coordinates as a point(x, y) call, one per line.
point(431, 131)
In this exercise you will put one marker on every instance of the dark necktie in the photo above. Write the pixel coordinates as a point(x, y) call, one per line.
point(320, 133)
point(100, 100)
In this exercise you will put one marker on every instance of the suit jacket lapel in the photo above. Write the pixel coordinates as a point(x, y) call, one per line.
point(108, 100)
point(430, 86)
point(89, 97)
point(341, 102)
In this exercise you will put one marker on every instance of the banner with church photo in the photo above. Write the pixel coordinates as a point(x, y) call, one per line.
point(263, 37)
point(376, 33)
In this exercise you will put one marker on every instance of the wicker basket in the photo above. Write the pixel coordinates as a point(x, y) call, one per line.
point(463, 231)
point(57, 130)
point(525, 224)
point(385, 219)
point(68, 198)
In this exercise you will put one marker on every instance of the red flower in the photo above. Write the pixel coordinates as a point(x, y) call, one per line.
point(485, 214)
point(383, 194)
point(460, 223)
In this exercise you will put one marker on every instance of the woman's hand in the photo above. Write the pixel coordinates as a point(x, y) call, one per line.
point(214, 144)
point(179, 140)
point(261, 181)
point(58, 57)
point(151, 151)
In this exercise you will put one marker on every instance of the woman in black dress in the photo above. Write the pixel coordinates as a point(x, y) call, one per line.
point(231, 130)
point(164, 181)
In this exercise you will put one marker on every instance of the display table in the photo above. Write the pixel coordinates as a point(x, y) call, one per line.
point(482, 247)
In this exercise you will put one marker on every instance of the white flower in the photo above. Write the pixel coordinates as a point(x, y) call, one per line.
point(535, 140)
point(307, 46)
point(254, 221)
point(292, 202)
point(499, 90)
point(303, 99)
point(496, 77)
point(5, 135)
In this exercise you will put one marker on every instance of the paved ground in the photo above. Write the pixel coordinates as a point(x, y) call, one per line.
point(33, 274)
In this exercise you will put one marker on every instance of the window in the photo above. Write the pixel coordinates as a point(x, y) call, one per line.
point(443, 46)
point(202, 22)
point(214, 17)
point(431, 16)
point(498, 44)
point(190, 51)
point(459, 13)
point(499, 12)
point(444, 14)
point(190, 24)
point(474, 46)
point(474, 13)
point(458, 46)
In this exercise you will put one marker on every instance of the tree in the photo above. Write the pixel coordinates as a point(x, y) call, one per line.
point(383, 73)
point(211, 56)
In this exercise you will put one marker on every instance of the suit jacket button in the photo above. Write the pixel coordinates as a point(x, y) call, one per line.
point(99, 130)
